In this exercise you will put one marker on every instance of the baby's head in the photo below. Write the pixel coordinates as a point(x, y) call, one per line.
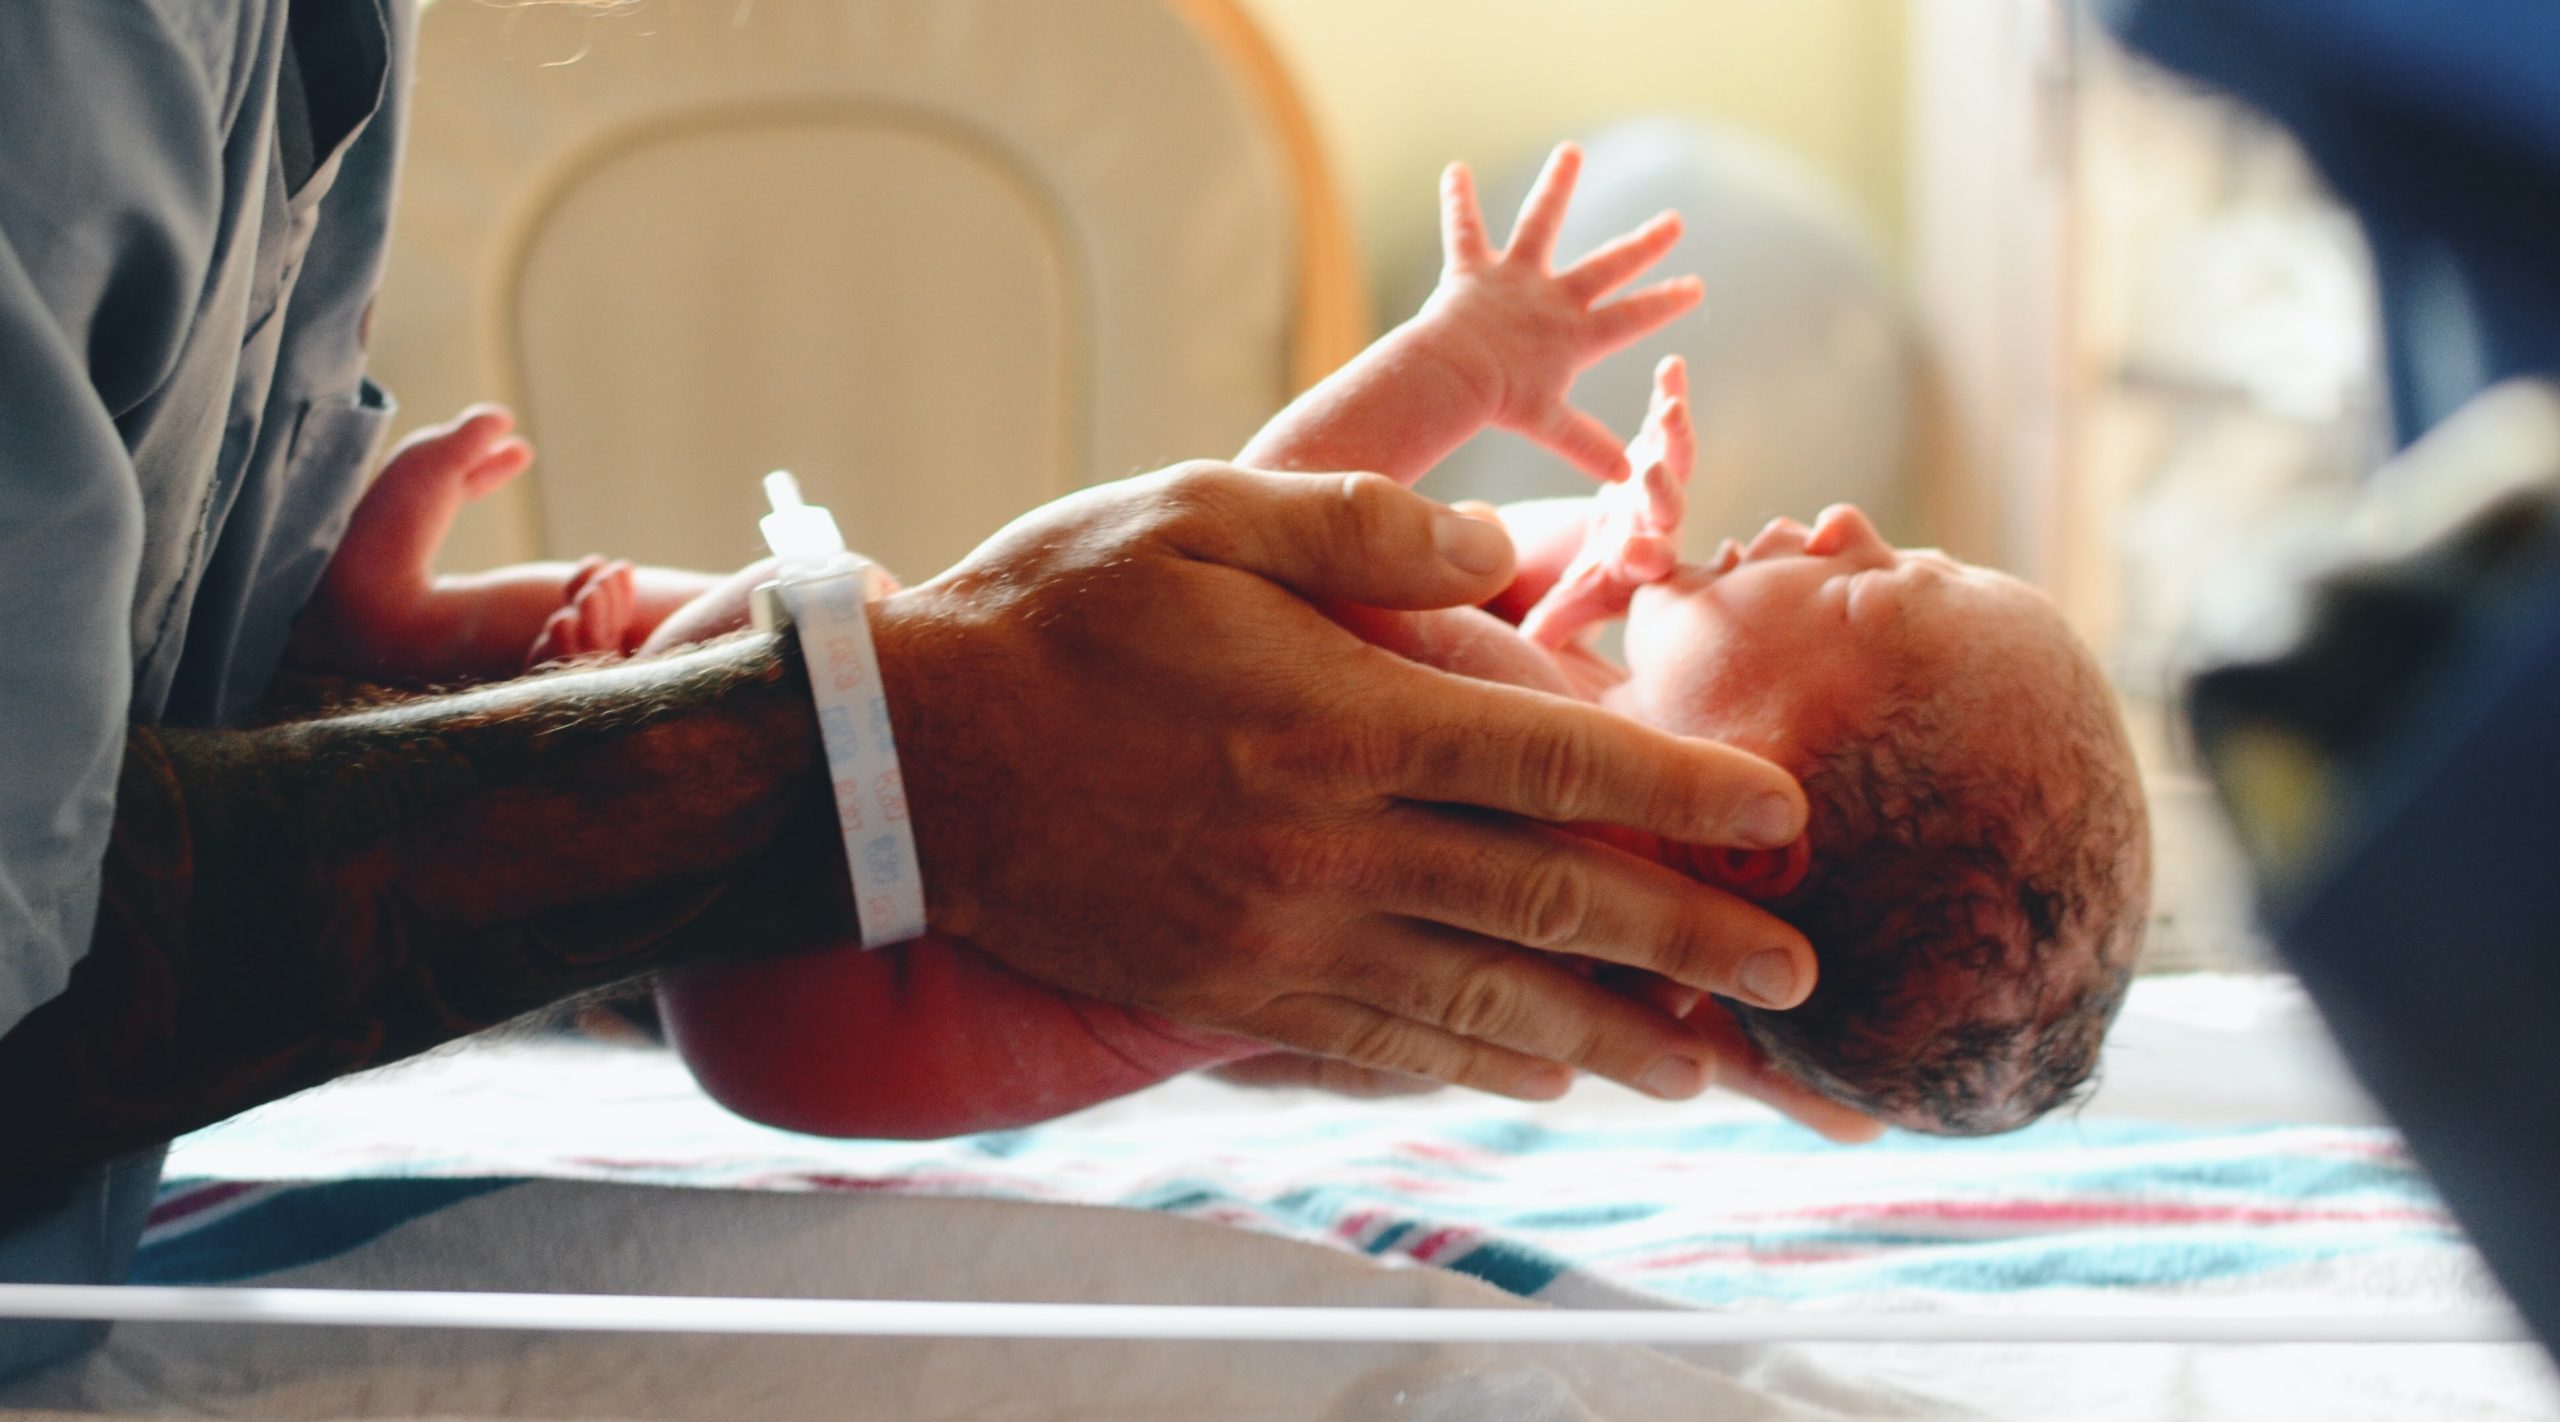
point(1979, 857)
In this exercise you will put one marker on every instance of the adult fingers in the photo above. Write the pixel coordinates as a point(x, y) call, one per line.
point(1486, 991)
point(1548, 535)
point(1354, 537)
point(1280, 1070)
point(1464, 742)
point(1539, 887)
point(1585, 443)
point(1638, 314)
point(1463, 244)
point(1358, 1033)
point(1533, 237)
point(1620, 260)
point(1742, 1067)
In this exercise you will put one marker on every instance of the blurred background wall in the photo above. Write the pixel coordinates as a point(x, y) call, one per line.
point(1401, 88)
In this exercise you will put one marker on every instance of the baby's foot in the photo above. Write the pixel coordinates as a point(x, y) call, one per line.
point(371, 614)
point(1633, 536)
point(410, 506)
point(595, 614)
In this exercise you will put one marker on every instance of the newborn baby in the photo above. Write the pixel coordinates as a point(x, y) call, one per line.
point(1974, 871)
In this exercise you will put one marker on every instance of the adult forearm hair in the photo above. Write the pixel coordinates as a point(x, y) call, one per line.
point(285, 905)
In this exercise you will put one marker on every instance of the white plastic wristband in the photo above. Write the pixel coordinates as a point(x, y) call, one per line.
point(829, 606)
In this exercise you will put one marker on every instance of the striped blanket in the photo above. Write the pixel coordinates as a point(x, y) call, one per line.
point(1603, 1199)
point(2225, 1167)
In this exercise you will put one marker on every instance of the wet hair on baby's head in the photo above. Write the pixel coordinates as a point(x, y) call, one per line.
point(1978, 888)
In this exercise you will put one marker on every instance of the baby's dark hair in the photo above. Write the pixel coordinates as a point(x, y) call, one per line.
point(1978, 888)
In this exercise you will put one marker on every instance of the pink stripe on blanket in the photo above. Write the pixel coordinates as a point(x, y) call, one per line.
point(180, 1205)
point(1745, 1254)
point(1441, 1242)
point(2077, 1212)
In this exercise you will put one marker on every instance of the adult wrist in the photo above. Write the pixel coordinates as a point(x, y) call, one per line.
point(916, 680)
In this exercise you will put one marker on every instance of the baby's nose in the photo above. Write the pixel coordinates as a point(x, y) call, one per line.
point(1845, 530)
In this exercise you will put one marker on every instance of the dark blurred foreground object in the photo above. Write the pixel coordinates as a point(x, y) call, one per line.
point(2395, 776)
point(2396, 772)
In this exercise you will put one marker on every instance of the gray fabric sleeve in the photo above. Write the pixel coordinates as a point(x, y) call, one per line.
point(109, 196)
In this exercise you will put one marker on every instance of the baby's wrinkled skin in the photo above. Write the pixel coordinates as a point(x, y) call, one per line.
point(1802, 640)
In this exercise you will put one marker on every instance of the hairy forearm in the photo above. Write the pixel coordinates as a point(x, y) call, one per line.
point(1397, 409)
point(288, 904)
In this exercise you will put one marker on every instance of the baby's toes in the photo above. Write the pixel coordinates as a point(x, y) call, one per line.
point(583, 576)
point(603, 608)
point(558, 640)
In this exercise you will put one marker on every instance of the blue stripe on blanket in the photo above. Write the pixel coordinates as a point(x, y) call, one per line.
point(285, 1228)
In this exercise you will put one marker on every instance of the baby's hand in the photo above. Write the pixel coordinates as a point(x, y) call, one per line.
point(1633, 535)
point(1525, 333)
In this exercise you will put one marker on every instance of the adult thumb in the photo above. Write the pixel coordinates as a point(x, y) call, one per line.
point(1349, 537)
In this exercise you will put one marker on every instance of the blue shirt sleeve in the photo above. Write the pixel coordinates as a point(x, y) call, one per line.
point(109, 196)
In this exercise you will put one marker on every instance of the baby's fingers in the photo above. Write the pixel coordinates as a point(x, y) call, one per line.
point(1533, 237)
point(1631, 318)
point(1463, 244)
point(1621, 261)
point(1587, 444)
point(1583, 596)
point(1667, 422)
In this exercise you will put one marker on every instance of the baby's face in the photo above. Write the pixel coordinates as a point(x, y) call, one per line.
point(1793, 639)
point(1973, 794)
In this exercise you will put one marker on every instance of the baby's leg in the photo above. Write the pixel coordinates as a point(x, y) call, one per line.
point(381, 613)
point(383, 565)
point(1633, 535)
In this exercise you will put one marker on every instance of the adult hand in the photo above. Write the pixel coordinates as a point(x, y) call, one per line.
point(1144, 767)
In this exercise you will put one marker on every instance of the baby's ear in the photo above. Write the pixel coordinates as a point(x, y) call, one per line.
point(1756, 874)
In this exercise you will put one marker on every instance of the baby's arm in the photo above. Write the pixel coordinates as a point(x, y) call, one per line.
point(1499, 343)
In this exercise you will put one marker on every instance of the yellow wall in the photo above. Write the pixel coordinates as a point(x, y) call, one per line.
point(1402, 86)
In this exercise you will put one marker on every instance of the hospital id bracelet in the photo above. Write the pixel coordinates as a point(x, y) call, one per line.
point(825, 593)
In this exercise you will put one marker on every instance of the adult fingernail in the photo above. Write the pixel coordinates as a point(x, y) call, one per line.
point(1547, 1083)
point(1674, 1078)
point(1769, 822)
point(1471, 545)
point(1770, 978)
